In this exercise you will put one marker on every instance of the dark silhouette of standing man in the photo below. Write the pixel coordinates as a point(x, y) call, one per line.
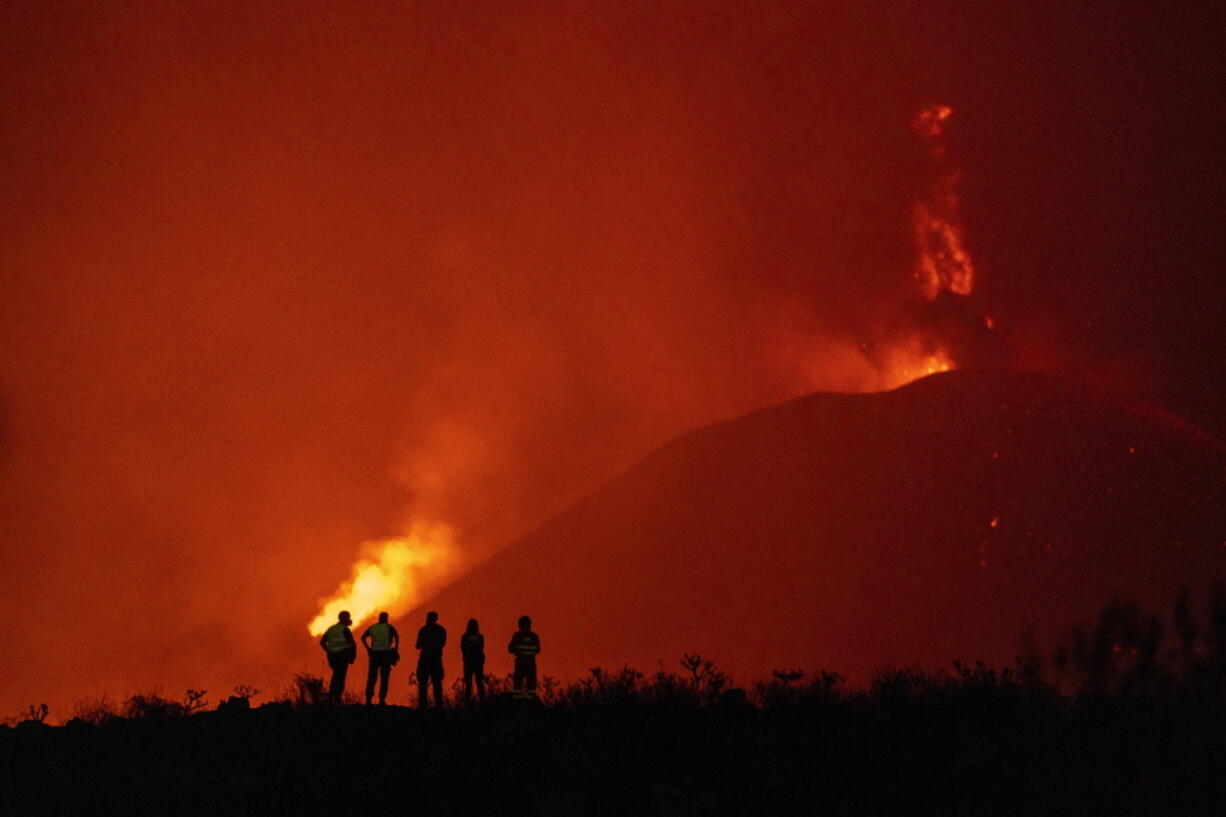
point(382, 644)
point(337, 642)
point(430, 640)
point(525, 645)
point(472, 647)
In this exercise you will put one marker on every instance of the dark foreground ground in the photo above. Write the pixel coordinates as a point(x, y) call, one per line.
point(974, 742)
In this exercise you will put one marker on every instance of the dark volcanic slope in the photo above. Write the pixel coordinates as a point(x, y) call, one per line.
point(938, 521)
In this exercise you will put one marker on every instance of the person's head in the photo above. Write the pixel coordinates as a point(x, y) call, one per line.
point(383, 618)
point(525, 623)
point(343, 618)
point(472, 626)
point(431, 617)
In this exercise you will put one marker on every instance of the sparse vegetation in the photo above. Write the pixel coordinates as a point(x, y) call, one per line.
point(307, 690)
point(706, 680)
point(246, 692)
point(95, 711)
point(154, 705)
point(1126, 717)
point(35, 713)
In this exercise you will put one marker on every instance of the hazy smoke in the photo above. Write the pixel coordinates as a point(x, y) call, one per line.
point(279, 283)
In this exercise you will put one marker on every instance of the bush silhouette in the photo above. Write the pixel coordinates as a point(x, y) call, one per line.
point(154, 705)
point(307, 690)
point(1132, 721)
point(95, 711)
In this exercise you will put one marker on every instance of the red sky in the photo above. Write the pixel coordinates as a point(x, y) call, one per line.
point(277, 278)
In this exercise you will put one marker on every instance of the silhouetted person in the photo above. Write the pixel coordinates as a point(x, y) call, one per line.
point(430, 640)
point(337, 642)
point(472, 648)
point(525, 645)
point(382, 644)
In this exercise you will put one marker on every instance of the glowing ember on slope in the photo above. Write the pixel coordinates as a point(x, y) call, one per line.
point(394, 575)
point(906, 363)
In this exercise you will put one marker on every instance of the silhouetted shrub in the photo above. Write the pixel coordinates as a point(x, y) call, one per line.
point(246, 691)
point(95, 711)
point(194, 701)
point(240, 701)
point(34, 713)
point(783, 688)
point(153, 705)
point(548, 688)
point(671, 688)
point(497, 685)
point(1136, 732)
point(707, 680)
point(1128, 654)
point(307, 689)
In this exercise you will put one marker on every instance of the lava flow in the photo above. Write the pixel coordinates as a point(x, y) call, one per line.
point(394, 575)
point(928, 338)
point(944, 264)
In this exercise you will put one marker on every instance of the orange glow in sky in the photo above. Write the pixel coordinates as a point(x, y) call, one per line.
point(279, 281)
point(394, 576)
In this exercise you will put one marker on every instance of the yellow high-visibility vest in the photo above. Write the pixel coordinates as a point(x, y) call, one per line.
point(380, 636)
point(334, 638)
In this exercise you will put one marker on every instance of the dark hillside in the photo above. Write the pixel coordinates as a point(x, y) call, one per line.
point(939, 521)
point(982, 744)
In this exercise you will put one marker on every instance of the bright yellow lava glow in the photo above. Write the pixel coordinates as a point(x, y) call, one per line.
point(908, 362)
point(393, 575)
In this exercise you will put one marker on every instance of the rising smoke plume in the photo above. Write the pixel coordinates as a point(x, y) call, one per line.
point(940, 327)
point(275, 284)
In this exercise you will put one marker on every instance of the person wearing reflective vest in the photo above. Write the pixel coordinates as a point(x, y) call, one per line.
point(525, 645)
point(337, 642)
point(382, 644)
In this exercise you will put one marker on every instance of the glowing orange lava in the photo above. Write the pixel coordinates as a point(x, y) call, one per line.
point(393, 575)
point(944, 263)
point(909, 361)
point(397, 574)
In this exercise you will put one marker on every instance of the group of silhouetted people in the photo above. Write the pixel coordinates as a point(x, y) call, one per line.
point(382, 644)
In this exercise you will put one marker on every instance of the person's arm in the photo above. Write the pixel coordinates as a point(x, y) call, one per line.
point(366, 639)
point(442, 637)
point(511, 645)
point(536, 642)
point(349, 639)
point(323, 641)
point(417, 646)
point(395, 637)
